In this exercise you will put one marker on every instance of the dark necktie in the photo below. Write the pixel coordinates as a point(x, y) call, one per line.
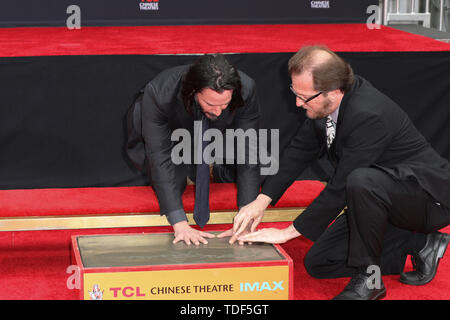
point(201, 207)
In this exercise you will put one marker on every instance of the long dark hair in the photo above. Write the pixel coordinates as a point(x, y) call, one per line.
point(215, 72)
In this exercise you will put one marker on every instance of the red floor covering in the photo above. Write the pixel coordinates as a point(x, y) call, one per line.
point(33, 266)
point(16, 42)
point(112, 200)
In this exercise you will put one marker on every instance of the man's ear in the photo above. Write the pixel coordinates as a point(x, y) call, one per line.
point(335, 94)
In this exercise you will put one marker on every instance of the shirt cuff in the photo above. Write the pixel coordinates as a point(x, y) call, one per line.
point(176, 216)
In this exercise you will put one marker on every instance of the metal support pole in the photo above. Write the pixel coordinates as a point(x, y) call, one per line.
point(385, 12)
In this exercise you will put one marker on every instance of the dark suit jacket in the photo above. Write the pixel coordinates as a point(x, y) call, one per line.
point(371, 131)
point(151, 123)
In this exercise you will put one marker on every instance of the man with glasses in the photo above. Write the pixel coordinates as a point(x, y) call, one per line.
point(389, 193)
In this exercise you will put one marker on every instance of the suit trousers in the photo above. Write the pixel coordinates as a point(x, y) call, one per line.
point(386, 219)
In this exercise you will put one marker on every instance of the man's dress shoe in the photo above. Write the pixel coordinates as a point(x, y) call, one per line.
point(426, 261)
point(358, 289)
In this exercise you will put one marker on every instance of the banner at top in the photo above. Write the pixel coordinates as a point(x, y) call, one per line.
point(182, 12)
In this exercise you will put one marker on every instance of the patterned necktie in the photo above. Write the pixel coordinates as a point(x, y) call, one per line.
point(201, 207)
point(331, 131)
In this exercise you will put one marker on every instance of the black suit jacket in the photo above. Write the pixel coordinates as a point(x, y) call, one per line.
point(371, 131)
point(161, 111)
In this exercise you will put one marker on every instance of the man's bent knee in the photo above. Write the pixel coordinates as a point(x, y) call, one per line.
point(311, 264)
point(363, 178)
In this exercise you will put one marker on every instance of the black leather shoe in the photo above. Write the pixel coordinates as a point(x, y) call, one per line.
point(358, 289)
point(426, 261)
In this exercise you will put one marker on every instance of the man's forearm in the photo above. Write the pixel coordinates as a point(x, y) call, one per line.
point(291, 232)
point(264, 199)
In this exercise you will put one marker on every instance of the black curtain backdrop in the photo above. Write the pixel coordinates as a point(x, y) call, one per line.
point(62, 118)
point(182, 12)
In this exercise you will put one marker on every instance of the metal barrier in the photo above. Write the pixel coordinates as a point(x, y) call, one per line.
point(392, 12)
point(413, 15)
point(441, 16)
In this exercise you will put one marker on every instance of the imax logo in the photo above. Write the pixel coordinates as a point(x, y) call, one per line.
point(257, 286)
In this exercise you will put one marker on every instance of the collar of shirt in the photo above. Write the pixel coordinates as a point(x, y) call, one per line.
point(335, 114)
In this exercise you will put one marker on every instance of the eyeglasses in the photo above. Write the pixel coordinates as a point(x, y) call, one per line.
point(307, 99)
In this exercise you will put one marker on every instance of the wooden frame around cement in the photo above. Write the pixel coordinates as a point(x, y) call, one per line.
point(128, 220)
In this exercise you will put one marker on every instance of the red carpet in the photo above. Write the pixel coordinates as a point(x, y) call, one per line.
point(79, 201)
point(33, 266)
point(18, 42)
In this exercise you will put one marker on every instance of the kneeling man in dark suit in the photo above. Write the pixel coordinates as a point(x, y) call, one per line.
point(186, 101)
point(392, 188)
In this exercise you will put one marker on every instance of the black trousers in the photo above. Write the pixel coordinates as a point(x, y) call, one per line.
point(386, 219)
